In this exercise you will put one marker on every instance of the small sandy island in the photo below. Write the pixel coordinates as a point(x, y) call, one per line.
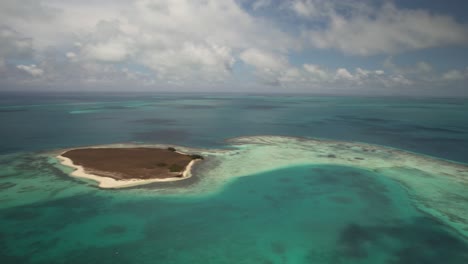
point(126, 167)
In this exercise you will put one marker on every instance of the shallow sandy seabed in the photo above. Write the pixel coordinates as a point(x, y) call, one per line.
point(436, 186)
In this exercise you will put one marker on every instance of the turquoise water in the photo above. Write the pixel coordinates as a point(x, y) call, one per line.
point(297, 214)
point(304, 214)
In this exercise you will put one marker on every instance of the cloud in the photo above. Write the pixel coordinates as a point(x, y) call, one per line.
point(202, 61)
point(177, 41)
point(420, 69)
point(182, 41)
point(107, 42)
point(263, 60)
point(230, 44)
point(106, 52)
point(423, 67)
point(13, 45)
point(70, 55)
point(385, 29)
point(258, 4)
point(304, 8)
point(316, 71)
point(274, 69)
point(32, 69)
point(269, 67)
point(343, 73)
point(454, 75)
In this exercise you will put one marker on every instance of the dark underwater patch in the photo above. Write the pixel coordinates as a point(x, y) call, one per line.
point(8, 150)
point(341, 199)
point(107, 255)
point(109, 107)
point(262, 107)
point(272, 200)
point(419, 241)
point(278, 248)
point(362, 119)
point(440, 140)
point(284, 179)
point(7, 258)
point(170, 135)
point(23, 214)
point(7, 185)
point(432, 129)
point(328, 179)
point(155, 121)
point(387, 126)
point(40, 166)
point(353, 239)
point(116, 107)
point(113, 230)
point(69, 210)
point(12, 110)
point(195, 107)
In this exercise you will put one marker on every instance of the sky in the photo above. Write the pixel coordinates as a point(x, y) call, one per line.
point(368, 47)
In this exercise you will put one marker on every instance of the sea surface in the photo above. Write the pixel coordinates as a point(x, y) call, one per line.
point(308, 213)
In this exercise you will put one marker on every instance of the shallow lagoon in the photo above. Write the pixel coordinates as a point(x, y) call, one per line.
point(301, 214)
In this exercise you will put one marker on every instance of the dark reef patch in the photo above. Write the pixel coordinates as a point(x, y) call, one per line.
point(352, 241)
point(12, 110)
point(169, 135)
point(341, 199)
point(262, 107)
point(284, 179)
point(328, 179)
point(195, 107)
point(155, 121)
point(6, 185)
point(419, 241)
point(361, 119)
point(113, 230)
point(278, 248)
point(23, 214)
point(8, 258)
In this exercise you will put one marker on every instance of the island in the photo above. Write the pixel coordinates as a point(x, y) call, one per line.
point(126, 167)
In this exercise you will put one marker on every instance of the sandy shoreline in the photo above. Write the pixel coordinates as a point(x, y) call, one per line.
point(110, 183)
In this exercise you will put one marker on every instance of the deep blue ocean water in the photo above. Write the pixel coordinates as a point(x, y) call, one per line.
point(437, 127)
point(300, 214)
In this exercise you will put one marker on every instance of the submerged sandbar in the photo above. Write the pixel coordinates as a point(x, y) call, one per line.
point(124, 167)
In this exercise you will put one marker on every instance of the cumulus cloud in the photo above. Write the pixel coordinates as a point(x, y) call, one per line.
point(13, 44)
point(32, 69)
point(263, 60)
point(191, 61)
point(270, 67)
point(70, 55)
point(316, 71)
point(453, 75)
point(182, 40)
point(423, 67)
point(209, 43)
point(106, 52)
point(419, 69)
point(384, 29)
point(179, 41)
point(343, 73)
point(258, 4)
point(275, 69)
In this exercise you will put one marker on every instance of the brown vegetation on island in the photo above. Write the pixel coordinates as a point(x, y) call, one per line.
point(131, 163)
